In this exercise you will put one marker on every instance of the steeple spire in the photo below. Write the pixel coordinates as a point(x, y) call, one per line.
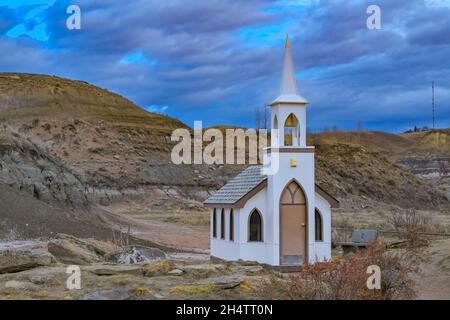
point(288, 90)
point(288, 83)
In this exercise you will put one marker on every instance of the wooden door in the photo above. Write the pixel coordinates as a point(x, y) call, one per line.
point(293, 225)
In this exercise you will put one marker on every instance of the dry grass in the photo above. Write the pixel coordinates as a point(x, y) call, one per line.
point(195, 218)
point(141, 291)
point(203, 288)
point(157, 268)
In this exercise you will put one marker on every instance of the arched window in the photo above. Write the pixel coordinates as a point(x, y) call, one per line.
point(231, 225)
point(222, 224)
point(255, 226)
point(291, 131)
point(318, 225)
point(214, 223)
point(275, 127)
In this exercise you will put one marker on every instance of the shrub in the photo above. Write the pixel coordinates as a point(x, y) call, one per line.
point(410, 225)
point(345, 278)
point(46, 126)
point(141, 291)
point(158, 268)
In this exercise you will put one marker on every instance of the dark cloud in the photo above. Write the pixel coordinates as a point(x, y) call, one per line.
point(194, 58)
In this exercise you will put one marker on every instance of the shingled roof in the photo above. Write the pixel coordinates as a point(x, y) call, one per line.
point(238, 187)
point(245, 185)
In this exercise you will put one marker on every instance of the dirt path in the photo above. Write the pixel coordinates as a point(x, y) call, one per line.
point(434, 282)
point(171, 234)
point(147, 225)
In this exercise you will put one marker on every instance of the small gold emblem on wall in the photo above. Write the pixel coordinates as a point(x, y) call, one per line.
point(293, 162)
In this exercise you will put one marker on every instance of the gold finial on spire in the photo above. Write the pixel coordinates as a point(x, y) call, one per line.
point(288, 43)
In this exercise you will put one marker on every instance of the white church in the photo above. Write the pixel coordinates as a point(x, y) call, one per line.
point(277, 216)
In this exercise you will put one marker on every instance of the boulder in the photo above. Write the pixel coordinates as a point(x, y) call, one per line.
point(110, 270)
point(40, 278)
point(13, 284)
point(107, 295)
point(136, 254)
point(176, 272)
point(90, 245)
point(70, 250)
point(21, 259)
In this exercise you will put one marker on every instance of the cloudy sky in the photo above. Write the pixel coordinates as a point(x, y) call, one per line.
point(220, 60)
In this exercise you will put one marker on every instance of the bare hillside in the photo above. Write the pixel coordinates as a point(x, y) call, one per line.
point(425, 154)
point(106, 140)
point(346, 170)
point(71, 144)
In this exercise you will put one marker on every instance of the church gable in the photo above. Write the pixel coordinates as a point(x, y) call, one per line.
point(245, 185)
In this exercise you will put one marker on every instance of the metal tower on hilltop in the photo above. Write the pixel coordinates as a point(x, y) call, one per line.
point(432, 102)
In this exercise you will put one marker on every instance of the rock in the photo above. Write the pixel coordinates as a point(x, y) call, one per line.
point(107, 295)
point(212, 267)
point(203, 270)
point(176, 272)
point(191, 205)
point(40, 278)
point(247, 263)
point(88, 244)
point(70, 250)
point(224, 282)
point(24, 172)
point(137, 254)
point(16, 260)
point(250, 269)
point(109, 270)
point(15, 284)
point(182, 256)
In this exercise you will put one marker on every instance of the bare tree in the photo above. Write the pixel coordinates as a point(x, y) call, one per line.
point(258, 119)
point(409, 224)
point(120, 238)
point(266, 117)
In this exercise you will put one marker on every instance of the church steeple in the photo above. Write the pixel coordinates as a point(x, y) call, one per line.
point(289, 109)
point(288, 90)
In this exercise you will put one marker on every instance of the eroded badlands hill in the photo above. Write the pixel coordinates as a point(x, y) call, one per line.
point(70, 144)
